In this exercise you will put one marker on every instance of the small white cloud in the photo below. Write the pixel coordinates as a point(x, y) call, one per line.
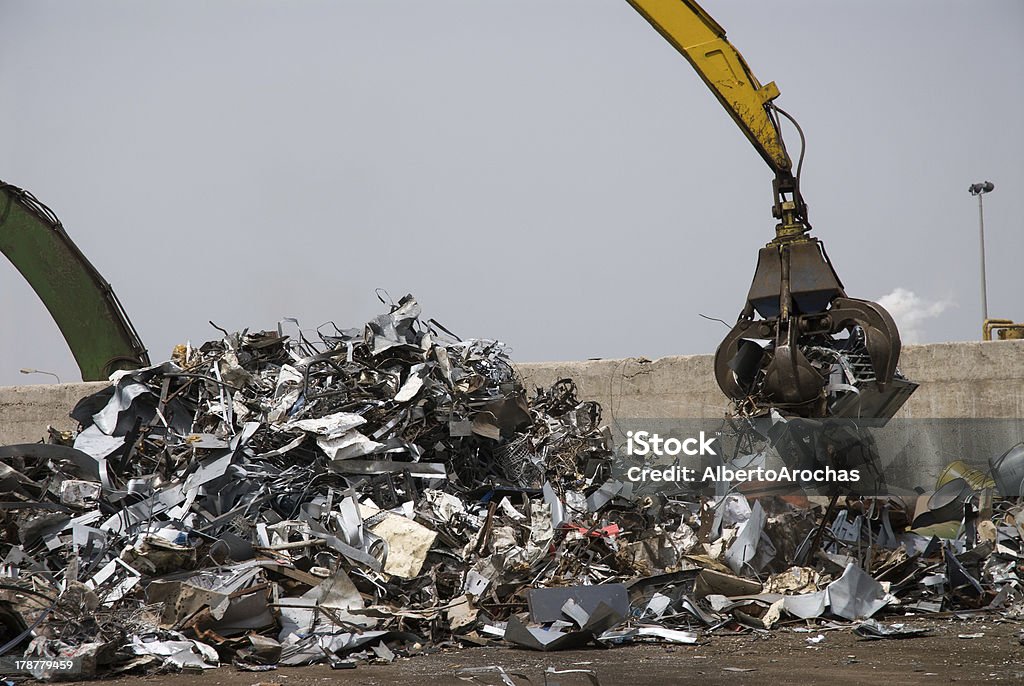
point(911, 311)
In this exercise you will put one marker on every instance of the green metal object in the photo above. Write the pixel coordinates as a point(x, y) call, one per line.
point(79, 299)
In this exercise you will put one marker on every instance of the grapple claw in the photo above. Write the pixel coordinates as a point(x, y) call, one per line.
point(803, 308)
point(882, 338)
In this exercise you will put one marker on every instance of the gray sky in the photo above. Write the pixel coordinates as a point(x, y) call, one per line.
point(552, 174)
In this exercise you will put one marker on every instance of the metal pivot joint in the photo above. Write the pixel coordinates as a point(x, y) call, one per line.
point(789, 208)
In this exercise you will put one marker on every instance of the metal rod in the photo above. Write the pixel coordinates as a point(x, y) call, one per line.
point(981, 234)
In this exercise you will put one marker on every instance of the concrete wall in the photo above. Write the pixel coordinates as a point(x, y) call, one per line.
point(981, 384)
point(26, 411)
point(958, 380)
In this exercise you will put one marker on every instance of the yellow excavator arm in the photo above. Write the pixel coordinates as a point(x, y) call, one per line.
point(798, 295)
point(700, 39)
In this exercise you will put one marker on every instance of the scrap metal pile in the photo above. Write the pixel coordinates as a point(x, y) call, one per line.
point(269, 500)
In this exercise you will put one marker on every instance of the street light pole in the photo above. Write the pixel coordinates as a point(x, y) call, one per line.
point(39, 371)
point(981, 235)
point(979, 189)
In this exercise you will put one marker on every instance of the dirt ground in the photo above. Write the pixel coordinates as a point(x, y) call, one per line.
point(782, 656)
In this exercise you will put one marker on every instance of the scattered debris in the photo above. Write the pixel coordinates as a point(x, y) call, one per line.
point(873, 630)
point(476, 675)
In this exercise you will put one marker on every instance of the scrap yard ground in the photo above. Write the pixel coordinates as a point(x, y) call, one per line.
point(779, 657)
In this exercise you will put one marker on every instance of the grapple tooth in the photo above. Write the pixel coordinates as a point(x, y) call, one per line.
point(790, 378)
point(881, 336)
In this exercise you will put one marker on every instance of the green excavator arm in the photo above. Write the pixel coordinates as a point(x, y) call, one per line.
point(79, 299)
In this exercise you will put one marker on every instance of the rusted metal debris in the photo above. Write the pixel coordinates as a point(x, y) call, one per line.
point(268, 499)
